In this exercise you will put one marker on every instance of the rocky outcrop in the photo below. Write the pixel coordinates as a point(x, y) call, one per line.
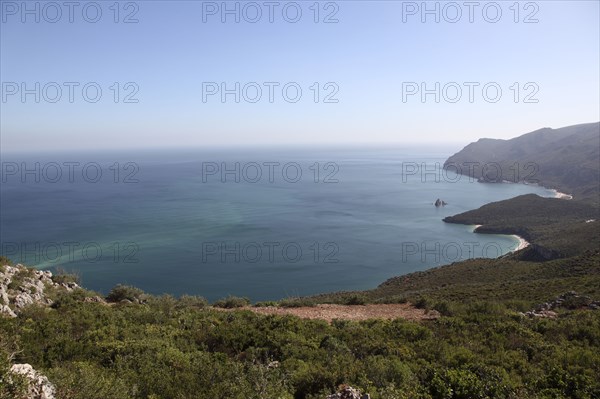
point(544, 314)
point(347, 392)
point(568, 300)
point(439, 203)
point(38, 386)
point(21, 287)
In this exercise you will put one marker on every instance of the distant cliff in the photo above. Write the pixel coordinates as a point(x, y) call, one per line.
point(566, 159)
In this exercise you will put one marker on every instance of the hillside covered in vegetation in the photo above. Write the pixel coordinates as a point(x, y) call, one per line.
point(555, 227)
point(566, 159)
point(482, 346)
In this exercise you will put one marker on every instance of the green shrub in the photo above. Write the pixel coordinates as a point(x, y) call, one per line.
point(392, 299)
point(444, 308)
point(81, 380)
point(64, 298)
point(519, 305)
point(265, 304)
point(355, 299)
point(297, 303)
point(126, 293)
point(191, 302)
point(62, 277)
point(5, 261)
point(576, 302)
point(464, 384)
point(422, 303)
point(232, 302)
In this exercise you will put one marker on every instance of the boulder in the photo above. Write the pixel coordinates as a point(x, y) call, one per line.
point(347, 392)
point(94, 299)
point(4, 309)
point(546, 309)
point(38, 385)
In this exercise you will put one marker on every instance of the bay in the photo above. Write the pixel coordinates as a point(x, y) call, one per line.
point(266, 223)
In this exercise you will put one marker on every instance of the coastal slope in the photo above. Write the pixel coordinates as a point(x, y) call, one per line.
point(556, 228)
point(565, 159)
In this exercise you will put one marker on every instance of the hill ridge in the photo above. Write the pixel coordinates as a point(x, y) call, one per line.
point(566, 159)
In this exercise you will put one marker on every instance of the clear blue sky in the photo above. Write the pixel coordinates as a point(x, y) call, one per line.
point(367, 54)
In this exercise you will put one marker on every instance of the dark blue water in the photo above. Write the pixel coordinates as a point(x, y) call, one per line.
point(170, 222)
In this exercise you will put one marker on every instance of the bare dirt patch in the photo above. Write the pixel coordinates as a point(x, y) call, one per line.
point(351, 312)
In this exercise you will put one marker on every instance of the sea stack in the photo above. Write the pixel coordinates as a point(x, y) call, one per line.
point(439, 203)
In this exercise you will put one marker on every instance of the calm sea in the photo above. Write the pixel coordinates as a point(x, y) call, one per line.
point(262, 223)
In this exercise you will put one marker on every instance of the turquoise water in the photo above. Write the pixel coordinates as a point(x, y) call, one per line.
point(164, 226)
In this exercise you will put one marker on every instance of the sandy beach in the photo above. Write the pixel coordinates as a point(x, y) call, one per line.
point(523, 243)
point(558, 194)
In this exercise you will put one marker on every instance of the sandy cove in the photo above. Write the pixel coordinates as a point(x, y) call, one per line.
point(523, 243)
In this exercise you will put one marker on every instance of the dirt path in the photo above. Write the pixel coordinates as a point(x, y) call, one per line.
point(347, 312)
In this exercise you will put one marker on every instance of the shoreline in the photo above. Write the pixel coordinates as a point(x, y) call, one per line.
point(522, 243)
point(558, 194)
point(475, 227)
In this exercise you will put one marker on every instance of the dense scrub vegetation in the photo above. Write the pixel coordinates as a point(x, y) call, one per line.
point(506, 280)
point(164, 348)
